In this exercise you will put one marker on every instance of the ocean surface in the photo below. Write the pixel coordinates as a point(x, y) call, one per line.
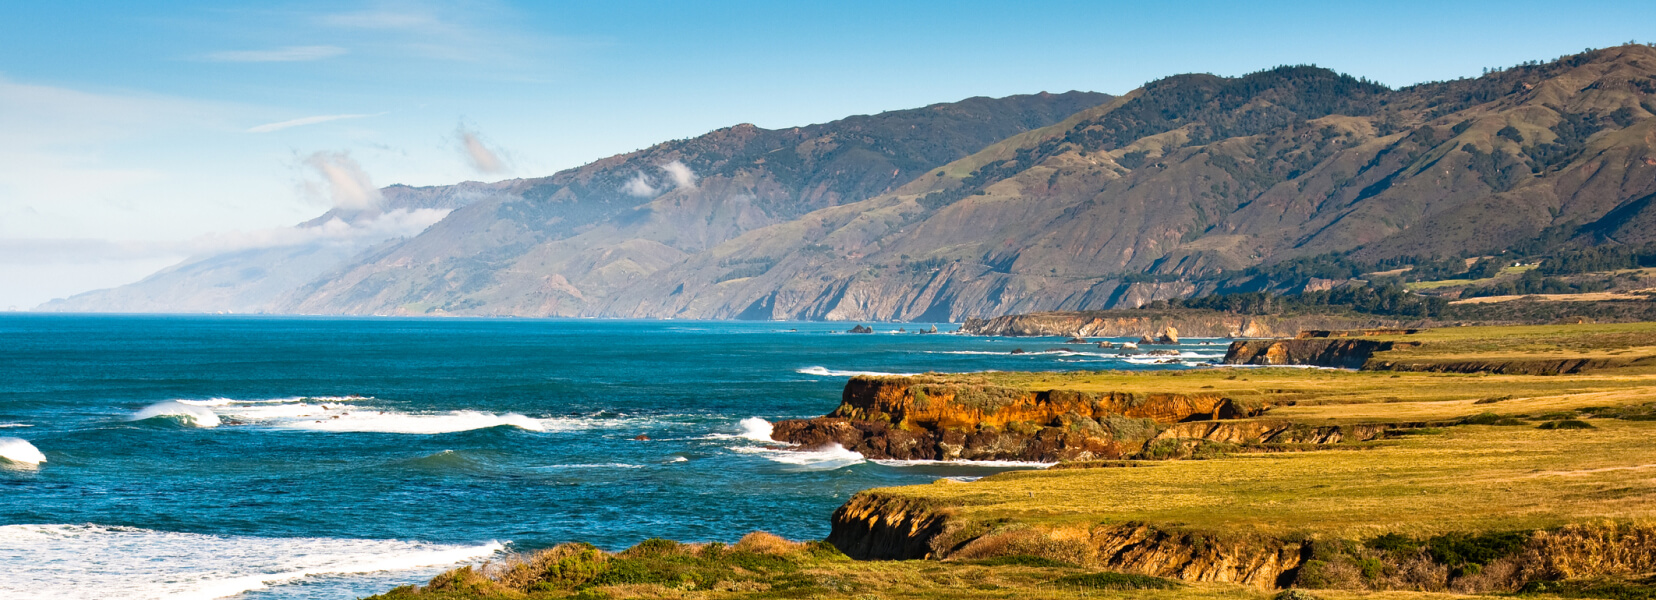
point(280, 458)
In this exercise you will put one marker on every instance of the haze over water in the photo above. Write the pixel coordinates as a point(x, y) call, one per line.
point(198, 457)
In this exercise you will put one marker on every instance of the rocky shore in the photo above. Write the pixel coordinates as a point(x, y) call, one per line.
point(1191, 323)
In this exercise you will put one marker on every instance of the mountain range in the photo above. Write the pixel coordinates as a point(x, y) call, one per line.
point(987, 207)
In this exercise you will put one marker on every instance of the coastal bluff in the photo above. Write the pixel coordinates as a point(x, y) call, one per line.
point(1189, 322)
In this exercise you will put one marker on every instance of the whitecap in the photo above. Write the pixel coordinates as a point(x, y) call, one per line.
point(832, 457)
point(592, 466)
point(184, 414)
point(20, 451)
point(10, 425)
point(75, 562)
point(358, 420)
point(827, 372)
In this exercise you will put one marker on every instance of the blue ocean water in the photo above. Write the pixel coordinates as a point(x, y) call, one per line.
point(353, 454)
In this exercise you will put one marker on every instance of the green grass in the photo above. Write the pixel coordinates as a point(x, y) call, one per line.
point(1506, 272)
point(1471, 478)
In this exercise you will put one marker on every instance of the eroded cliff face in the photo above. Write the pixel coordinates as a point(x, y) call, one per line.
point(1346, 353)
point(926, 418)
point(1357, 353)
point(1190, 323)
point(883, 526)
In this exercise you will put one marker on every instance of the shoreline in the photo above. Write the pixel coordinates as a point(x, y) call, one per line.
point(1299, 430)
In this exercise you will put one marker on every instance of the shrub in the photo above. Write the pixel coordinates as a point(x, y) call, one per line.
point(1490, 418)
point(1467, 553)
point(1567, 424)
point(1294, 595)
point(760, 542)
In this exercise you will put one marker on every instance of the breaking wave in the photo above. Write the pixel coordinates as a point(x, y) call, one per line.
point(350, 414)
point(20, 451)
point(827, 459)
point(827, 372)
point(91, 562)
point(187, 415)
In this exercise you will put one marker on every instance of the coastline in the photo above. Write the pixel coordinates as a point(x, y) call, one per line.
point(1349, 482)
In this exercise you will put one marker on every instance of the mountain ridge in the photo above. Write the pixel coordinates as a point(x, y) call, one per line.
point(1185, 186)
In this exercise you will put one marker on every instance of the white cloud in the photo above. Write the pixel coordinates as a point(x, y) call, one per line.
point(302, 121)
point(348, 185)
point(640, 186)
point(287, 54)
point(679, 174)
point(482, 158)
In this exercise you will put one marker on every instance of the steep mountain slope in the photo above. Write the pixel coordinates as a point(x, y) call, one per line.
point(1194, 175)
point(559, 244)
point(252, 279)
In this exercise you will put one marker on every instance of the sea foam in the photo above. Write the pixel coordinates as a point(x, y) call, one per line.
point(20, 451)
point(372, 421)
point(832, 457)
point(827, 372)
point(756, 429)
point(179, 412)
point(73, 562)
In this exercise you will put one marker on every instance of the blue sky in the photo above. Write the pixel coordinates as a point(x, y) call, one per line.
point(135, 134)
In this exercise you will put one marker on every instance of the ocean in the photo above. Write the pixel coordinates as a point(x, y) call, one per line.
point(196, 457)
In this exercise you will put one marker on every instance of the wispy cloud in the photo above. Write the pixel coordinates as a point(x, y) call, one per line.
point(486, 35)
point(679, 174)
point(481, 157)
point(287, 54)
point(302, 121)
point(347, 184)
point(382, 19)
point(639, 186)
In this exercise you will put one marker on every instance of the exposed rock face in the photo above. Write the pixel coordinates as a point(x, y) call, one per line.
point(1357, 353)
point(1271, 432)
point(1324, 352)
point(875, 525)
point(1188, 323)
point(928, 418)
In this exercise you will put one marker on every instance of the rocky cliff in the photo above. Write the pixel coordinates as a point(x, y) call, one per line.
point(1345, 353)
point(939, 418)
point(877, 526)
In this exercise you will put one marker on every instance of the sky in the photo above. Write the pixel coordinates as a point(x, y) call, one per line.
point(134, 135)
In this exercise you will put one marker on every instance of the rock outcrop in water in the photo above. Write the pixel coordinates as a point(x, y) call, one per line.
point(936, 418)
